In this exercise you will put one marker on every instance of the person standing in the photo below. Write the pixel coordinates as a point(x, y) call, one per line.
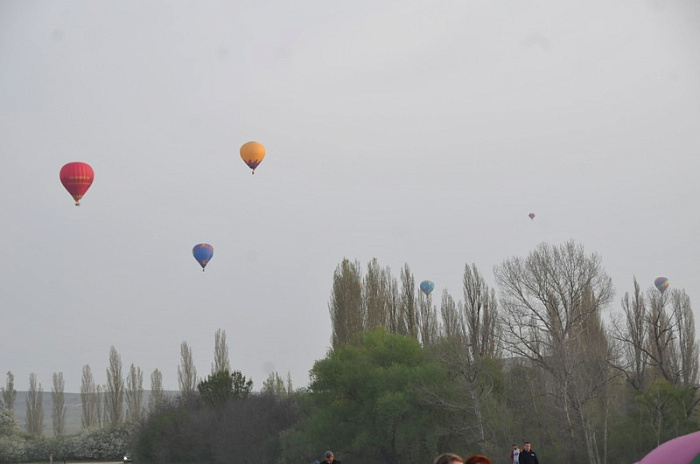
point(515, 454)
point(527, 456)
point(329, 458)
point(50, 458)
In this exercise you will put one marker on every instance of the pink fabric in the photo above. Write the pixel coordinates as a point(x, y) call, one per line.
point(680, 450)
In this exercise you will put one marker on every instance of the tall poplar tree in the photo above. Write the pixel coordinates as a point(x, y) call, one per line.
point(346, 306)
point(114, 394)
point(221, 363)
point(35, 411)
point(58, 411)
point(88, 399)
point(156, 396)
point(186, 371)
point(134, 394)
point(9, 394)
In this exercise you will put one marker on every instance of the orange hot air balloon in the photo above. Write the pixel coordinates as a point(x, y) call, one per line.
point(253, 154)
point(77, 178)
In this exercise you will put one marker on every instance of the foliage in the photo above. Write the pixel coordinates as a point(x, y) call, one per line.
point(9, 394)
point(107, 444)
point(471, 397)
point(366, 403)
point(243, 430)
point(12, 440)
point(665, 409)
point(538, 364)
point(222, 386)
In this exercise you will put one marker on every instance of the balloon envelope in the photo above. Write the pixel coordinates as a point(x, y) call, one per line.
point(681, 450)
point(77, 178)
point(252, 154)
point(427, 286)
point(203, 252)
point(661, 283)
point(531, 215)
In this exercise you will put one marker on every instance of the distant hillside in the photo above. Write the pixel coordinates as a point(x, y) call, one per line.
point(74, 410)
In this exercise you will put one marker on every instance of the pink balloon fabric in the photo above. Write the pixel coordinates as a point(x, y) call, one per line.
point(681, 450)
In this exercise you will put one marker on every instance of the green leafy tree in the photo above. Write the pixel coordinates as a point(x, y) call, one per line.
point(217, 389)
point(241, 386)
point(665, 410)
point(12, 441)
point(366, 402)
point(222, 386)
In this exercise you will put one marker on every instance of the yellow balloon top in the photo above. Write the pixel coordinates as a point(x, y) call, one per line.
point(252, 154)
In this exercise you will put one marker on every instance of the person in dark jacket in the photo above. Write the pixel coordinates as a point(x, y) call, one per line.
point(527, 456)
point(329, 458)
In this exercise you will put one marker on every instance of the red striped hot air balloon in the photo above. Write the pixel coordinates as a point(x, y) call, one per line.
point(77, 178)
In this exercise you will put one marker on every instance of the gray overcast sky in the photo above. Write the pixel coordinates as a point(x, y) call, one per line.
point(419, 132)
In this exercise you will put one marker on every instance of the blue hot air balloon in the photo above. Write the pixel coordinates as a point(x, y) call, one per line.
point(203, 253)
point(427, 286)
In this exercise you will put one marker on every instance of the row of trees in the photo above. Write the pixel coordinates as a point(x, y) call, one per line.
point(112, 412)
point(545, 360)
point(547, 330)
point(120, 400)
point(408, 378)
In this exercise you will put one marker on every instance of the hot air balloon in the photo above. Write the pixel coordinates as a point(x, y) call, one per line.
point(427, 287)
point(531, 215)
point(661, 283)
point(252, 153)
point(681, 450)
point(77, 178)
point(203, 252)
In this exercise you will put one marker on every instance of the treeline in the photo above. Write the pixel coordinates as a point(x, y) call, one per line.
point(410, 375)
point(539, 362)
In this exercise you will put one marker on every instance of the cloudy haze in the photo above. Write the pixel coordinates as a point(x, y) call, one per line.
point(418, 132)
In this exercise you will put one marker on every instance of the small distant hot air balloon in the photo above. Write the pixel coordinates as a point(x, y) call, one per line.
point(252, 153)
point(427, 287)
point(661, 283)
point(531, 215)
point(77, 178)
point(202, 253)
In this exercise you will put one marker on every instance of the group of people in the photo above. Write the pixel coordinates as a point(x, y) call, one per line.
point(517, 456)
point(523, 456)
